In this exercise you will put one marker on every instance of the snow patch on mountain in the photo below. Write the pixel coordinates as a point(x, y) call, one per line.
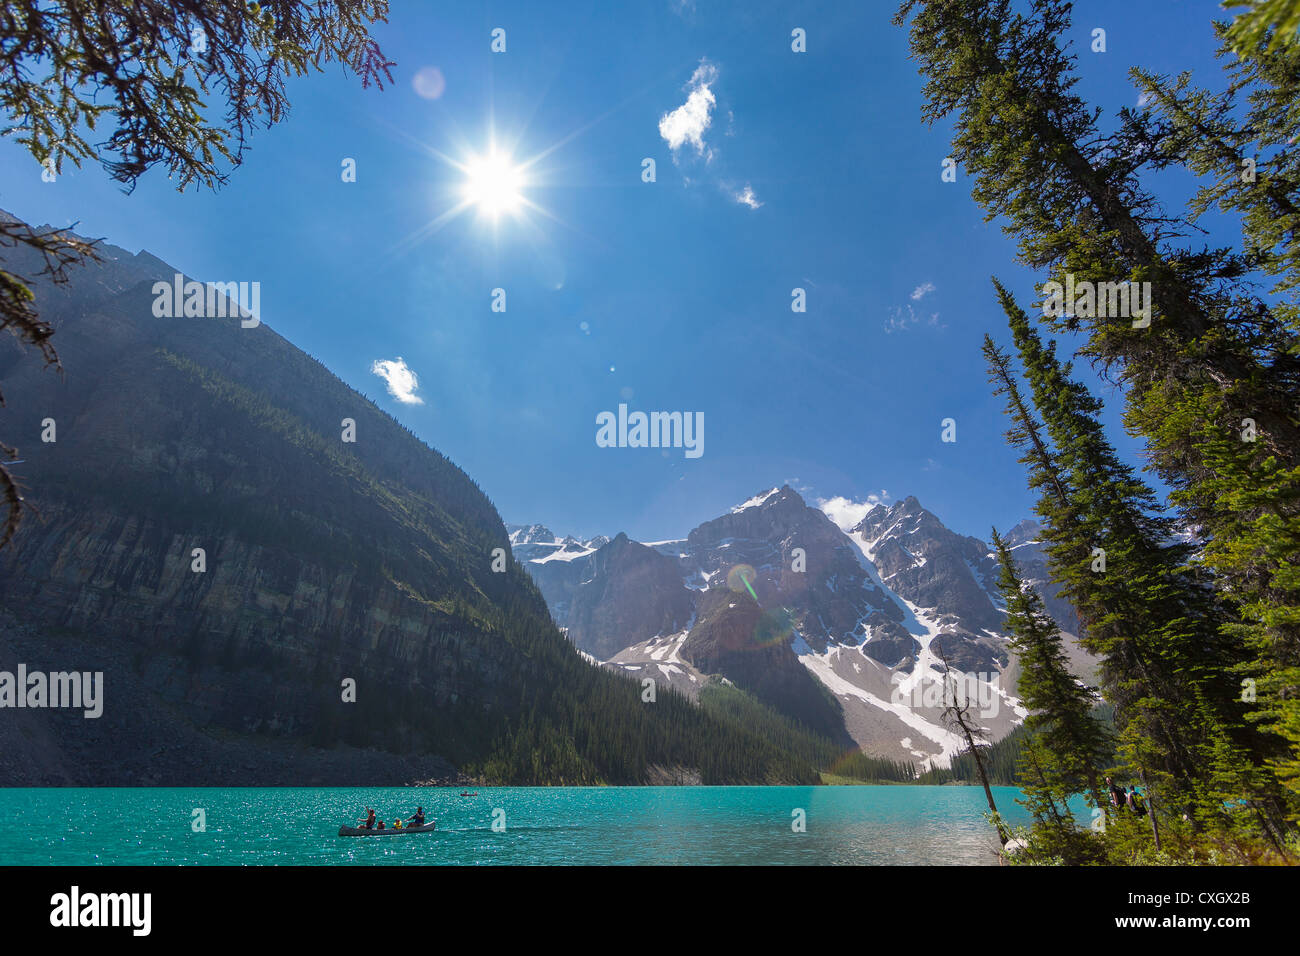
point(564, 555)
point(660, 659)
point(755, 501)
point(538, 544)
point(845, 513)
point(822, 667)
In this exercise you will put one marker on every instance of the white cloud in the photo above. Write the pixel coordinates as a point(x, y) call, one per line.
point(845, 512)
point(921, 291)
point(688, 123)
point(746, 197)
point(402, 381)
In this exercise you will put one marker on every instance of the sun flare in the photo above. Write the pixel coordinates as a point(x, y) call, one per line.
point(493, 184)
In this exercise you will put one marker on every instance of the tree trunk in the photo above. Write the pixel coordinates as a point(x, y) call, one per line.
point(984, 779)
point(1151, 807)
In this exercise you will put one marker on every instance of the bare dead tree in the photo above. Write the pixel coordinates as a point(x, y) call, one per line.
point(957, 715)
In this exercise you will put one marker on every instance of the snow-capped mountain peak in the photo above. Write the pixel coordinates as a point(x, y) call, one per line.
point(756, 501)
point(529, 534)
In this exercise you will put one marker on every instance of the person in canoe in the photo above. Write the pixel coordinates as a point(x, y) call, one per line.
point(416, 819)
point(369, 822)
point(379, 825)
point(397, 824)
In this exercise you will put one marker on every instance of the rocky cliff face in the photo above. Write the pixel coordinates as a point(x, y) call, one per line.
point(802, 562)
point(630, 594)
point(928, 565)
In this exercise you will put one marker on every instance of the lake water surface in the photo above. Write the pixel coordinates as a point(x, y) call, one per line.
point(542, 825)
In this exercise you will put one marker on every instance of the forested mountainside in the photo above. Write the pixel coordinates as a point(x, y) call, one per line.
point(323, 562)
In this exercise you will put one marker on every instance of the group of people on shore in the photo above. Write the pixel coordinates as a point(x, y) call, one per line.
point(1132, 800)
point(416, 819)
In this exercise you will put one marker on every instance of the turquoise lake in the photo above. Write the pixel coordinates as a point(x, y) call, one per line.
point(543, 825)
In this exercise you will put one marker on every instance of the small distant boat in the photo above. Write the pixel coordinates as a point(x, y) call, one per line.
point(466, 793)
point(357, 831)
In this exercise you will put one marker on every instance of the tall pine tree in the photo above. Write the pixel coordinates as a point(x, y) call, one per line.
point(1167, 658)
point(1243, 140)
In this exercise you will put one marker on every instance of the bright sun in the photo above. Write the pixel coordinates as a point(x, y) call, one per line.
point(492, 183)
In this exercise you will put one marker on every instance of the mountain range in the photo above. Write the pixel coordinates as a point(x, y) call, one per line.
point(842, 629)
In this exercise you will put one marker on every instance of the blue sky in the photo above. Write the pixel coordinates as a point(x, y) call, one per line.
point(667, 296)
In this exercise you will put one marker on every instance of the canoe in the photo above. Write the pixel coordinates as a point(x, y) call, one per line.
point(357, 831)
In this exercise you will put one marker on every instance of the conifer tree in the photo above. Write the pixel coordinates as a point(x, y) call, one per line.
point(1159, 629)
point(1071, 740)
point(1273, 23)
point(1248, 152)
point(1148, 617)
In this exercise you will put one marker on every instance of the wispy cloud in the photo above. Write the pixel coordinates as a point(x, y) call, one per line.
point(903, 317)
point(746, 197)
point(401, 380)
point(687, 124)
point(798, 485)
point(921, 291)
point(845, 512)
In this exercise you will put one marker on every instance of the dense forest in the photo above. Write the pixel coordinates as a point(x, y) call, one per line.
point(1001, 761)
